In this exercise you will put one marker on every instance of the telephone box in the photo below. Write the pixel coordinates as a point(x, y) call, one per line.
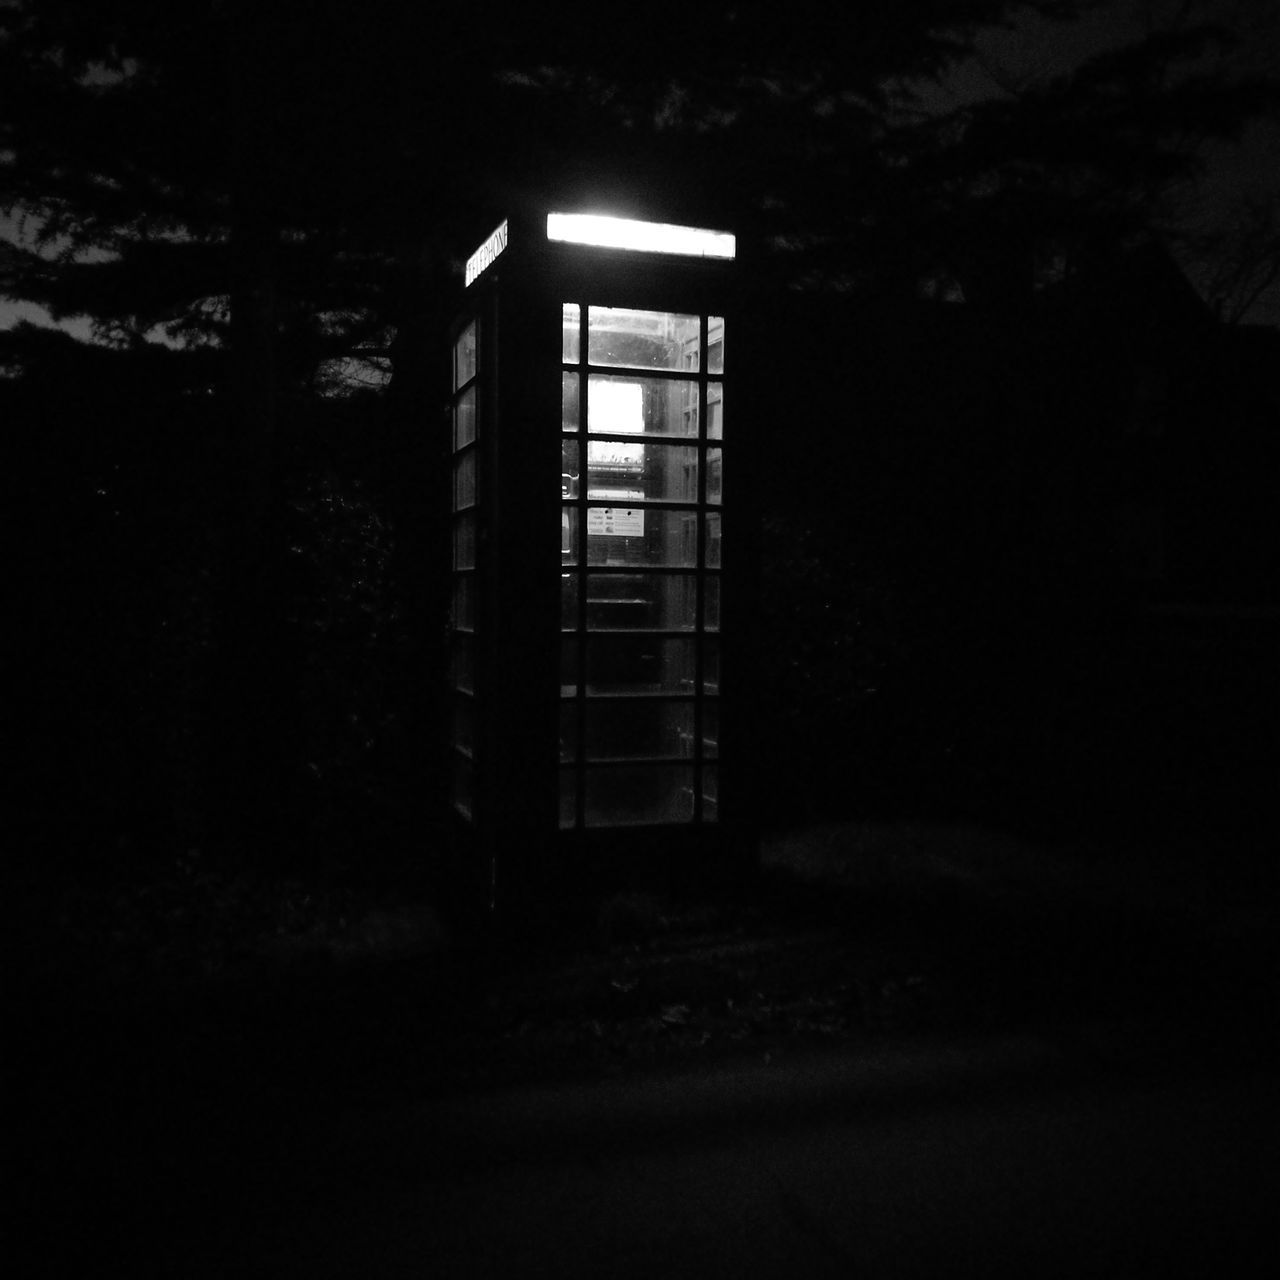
point(602, 553)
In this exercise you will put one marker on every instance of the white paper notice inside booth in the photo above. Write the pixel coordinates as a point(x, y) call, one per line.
point(615, 522)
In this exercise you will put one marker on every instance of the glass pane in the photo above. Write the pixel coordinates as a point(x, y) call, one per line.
point(462, 664)
point(568, 732)
point(568, 798)
point(715, 410)
point(568, 601)
point(711, 664)
point(568, 533)
point(623, 471)
point(464, 542)
point(464, 418)
point(639, 664)
point(715, 344)
point(569, 468)
point(464, 726)
point(572, 330)
point(642, 406)
point(640, 536)
point(463, 773)
point(569, 650)
point(711, 794)
point(638, 795)
point(713, 540)
point(641, 601)
point(639, 728)
point(463, 612)
point(715, 482)
point(464, 480)
point(711, 603)
point(710, 730)
point(464, 356)
point(569, 391)
point(641, 339)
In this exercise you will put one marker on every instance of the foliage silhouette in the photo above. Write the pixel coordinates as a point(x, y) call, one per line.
point(261, 210)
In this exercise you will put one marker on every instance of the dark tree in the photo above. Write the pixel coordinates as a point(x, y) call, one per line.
point(261, 210)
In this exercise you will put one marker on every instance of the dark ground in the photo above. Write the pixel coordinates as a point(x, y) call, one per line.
point(240, 1014)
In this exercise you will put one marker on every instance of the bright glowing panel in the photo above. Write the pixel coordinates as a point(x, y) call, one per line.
point(644, 237)
point(615, 407)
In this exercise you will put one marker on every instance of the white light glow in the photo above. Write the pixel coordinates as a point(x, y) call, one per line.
point(644, 237)
point(615, 407)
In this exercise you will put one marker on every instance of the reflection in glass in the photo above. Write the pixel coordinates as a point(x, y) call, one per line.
point(638, 795)
point(642, 339)
point(639, 665)
point(568, 602)
point(710, 730)
point(634, 406)
point(464, 542)
point(710, 664)
point(715, 473)
point(464, 480)
point(568, 468)
point(464, 356)
point(713, 540)
point(715, 344)
point(641, 601)
point(571, 327)
point(639, 728)
point(569, 383)
point(711, 602)
point(463, 610)
point(568, 533)
point(715, 410)
point(464, 418)
point(711, 794)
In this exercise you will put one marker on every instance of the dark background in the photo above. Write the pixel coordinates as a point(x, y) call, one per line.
point(1019, 560)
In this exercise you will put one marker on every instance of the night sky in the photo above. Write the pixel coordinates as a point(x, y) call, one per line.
point(1036, 50)
point(1234, 171)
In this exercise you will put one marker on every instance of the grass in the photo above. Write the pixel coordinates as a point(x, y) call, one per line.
point(323, 987)
point(172, 1038)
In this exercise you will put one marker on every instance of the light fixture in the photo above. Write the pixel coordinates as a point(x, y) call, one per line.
point(605, 232)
